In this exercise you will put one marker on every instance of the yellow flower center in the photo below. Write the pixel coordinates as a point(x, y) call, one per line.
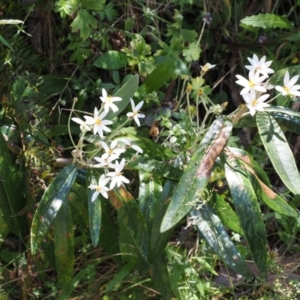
point(98, 121)
point(251, 84)
point(200, 92)
point(254, 102)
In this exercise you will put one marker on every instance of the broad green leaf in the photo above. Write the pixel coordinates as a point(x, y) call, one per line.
point(278, 151)
point(125, 92)
point(160, 75)
point(83, 22)
point(267, 21)
point(53, 85)
point(271, 199)
point(197, 173)
point(192, 52)
point(93, 4)
point(111, 60)
point(132, 218)
point(50, 205)
point(64, 245)
point(149, 193)
point(248, 210)
point(5, 43)
point(94, 207)
point(211, 228)
point(12, 200)
point(226, 214)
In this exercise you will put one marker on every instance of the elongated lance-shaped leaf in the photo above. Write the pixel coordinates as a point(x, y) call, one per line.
point(279, 151)
point(64, 245)
point(211, 228)
point(50, 204)
point(226, 213)
point(158, 242)
point(258, 179)
point(270, 198)
point(285, 117)
point(12, 200)
point(94, 207)
point(149, 194)
point(197, 173)
point(131, 216)
point(248, 211)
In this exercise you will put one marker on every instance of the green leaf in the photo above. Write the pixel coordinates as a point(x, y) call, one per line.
point(286, 118)
point(50, 205)
point(53, 85)
point(125, 92)
point(94, 207)
point(197, 173)
point(93, 4)
point(12, 200)
point(192, 52)
point(149, 193)
point(267, 21)
point(248, 211)
point(271, 199)
point(211, 228)
point(111, 60)
point(277, 77)
point(279, 151)
point(83, 22)
point(226, 214)
point(160, 275)
point(159, 241)
point(132, 218)
point(160, 75)
point(5, 43)
point(64, 245)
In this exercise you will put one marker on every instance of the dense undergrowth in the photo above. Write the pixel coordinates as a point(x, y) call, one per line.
point(171, 189)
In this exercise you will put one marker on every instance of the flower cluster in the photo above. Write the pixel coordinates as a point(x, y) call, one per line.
point(109, 148)
point(256, 85)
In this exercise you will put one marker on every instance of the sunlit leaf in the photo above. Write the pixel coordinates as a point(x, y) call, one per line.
point(278, 151)
point(83, 22)
point(50, 205)
point(111, 60)
point(248, 210)
point(94, 207)
point(267, 21)
point(211, 228)
point(197, 173)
